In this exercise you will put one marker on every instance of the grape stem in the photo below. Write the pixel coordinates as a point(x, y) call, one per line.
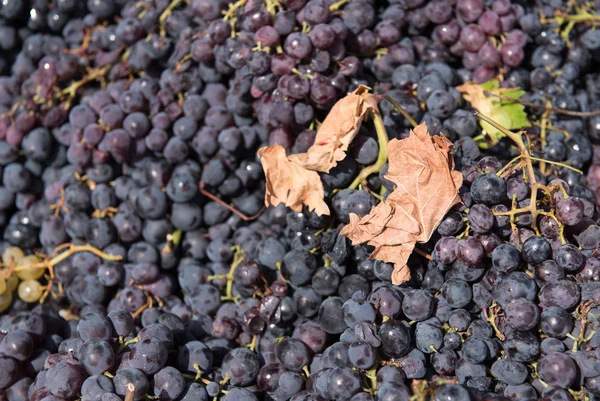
point(582, 311)
point(60, 204)
point(172, 243)
point(382, 139)
point(382, 157)
point(181, 62)
point(581, 15)
point(337, 5)
point(238, 257)
point(543, 131)
point(128, 343)
point(491, 315)
point(72, 249)
point(517, 139)
point(130, 392)
point(422, 253)
point(165, 14)
point(144, 8)
point(94, 74)
point(524, 162)
point(80, 51)
point(233, 210)
point(400, 110)
point(252, 345)
point(371, 375)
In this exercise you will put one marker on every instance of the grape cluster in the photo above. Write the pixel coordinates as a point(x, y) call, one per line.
point(138, 260)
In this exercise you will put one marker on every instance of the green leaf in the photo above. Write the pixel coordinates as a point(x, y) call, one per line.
point(490, 85)
point(510, 115)
point(517, 114)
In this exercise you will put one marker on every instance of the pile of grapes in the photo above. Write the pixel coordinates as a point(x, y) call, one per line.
point(138, 261)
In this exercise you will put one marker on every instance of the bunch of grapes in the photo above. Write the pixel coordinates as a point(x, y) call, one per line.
point(138, 260)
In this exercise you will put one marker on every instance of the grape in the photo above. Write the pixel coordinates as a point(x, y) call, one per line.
point(457, 293)
point(480, 218)
point(488, 189)
point(122, 322)
point(536, 250)
point(569, 211)
point(395, 338)
point(239, 394)
point(472, 37)
point(512, 54)
point(95, 327)
point(169, 383)
point(64, 379)
point(331, 315)
point(29, 273)
point(6, 300)
point(148, 355)
point(557, 369)
point(96, 356)
point(322, 92)
point(17, 344)
point(131, 377)
point(241, 365)
point(445, 250)
point(556, 322)
point(344, 383)
point(569, 257)
point(358, 310)
point(30, 290)
point(292, 354)
point(194, 391)
point(195, 353)
point(470, 10)
point(512, 286)
point(441, 104)
point(362, 355)
point(522, 346)
point(522, 314)
point(470, 251)
point(475, 350)
point(94, 387)
point(509, 371)
point(506, 258)
point(428, 337)
point(563, 293)
point(298, 266)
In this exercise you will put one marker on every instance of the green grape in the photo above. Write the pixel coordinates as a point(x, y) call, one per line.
point(30, 274)
point(12, 282)
point(2, 284)
point(30, 290)
point(5, 301)
point(12, 255)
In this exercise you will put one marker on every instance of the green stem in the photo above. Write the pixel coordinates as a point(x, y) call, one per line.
point(583, 17)
point(128, 343)
point(516, 138)
point(401, 110)
point(382, 157)
point(336, 6)
point(508, 165)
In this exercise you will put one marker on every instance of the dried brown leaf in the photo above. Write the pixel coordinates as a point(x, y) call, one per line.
point(427, 186)
point(289, 183)
point(293, 180)
point(337, 131)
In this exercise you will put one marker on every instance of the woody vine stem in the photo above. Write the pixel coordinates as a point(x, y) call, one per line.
point(525, 162)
